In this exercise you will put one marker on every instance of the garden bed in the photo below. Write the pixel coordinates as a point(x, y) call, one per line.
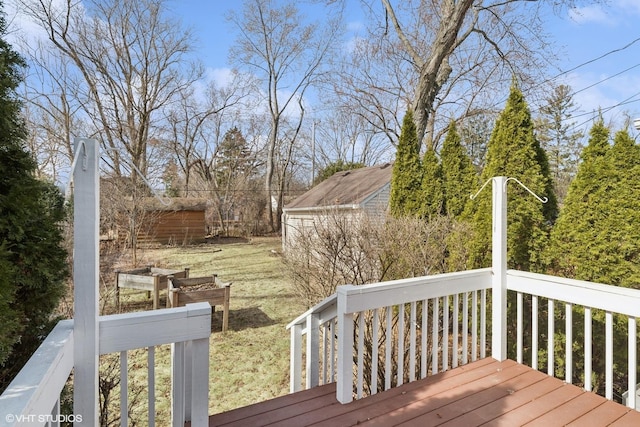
point(182, 291)
point(150, 279)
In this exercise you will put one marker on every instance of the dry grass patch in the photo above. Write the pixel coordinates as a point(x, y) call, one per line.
point(250, 362)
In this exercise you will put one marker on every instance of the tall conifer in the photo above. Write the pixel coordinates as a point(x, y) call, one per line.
point(458, 174)
point(596, 236)
point(620, 234)
point(32, 261)
point(406, 176)
point(578, 226)
point(432, 195)
point(513, 151)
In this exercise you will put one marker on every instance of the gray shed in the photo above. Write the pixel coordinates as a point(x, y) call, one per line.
point(356, 192)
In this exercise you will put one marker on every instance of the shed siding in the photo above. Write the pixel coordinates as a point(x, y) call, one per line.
point(293, 224)
point(358, 193)
point(174, 227)
point(377, 206)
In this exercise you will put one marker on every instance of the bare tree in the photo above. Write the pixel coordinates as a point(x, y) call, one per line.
point(347, 137)
point(449, 56)
point(287, 55)
point(130, 60)
point(341, 249)
point(194, 122)
point(125, 61)
point(51, 109)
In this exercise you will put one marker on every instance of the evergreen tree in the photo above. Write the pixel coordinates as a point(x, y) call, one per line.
point(596, 236)
point(335, 167)
point(432, 194)
point(578, 227)
point(620, 235)
point(513, 151)
point(562, 145)
point(32, 261)
point(233, 158)
point(458, 174)
point(406, 176)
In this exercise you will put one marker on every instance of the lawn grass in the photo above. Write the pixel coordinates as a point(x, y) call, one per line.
point(250, 362)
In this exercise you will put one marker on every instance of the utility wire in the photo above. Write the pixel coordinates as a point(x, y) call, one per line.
point(608, 78)
point(590, 61)
point(628, 45)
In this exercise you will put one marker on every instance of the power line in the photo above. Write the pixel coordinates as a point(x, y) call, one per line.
point(608, 78)
point(628, 45)
point(592, 115)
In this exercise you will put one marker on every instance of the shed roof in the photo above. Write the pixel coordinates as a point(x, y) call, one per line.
point(173, 204)
point(345, 188)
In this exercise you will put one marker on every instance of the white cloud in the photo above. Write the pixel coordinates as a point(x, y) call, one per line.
point(629, 7)
point(354, 44)
point(23, 30)
point(355, 26)
point(590, 14)
point(606, 97)
point(222, 77)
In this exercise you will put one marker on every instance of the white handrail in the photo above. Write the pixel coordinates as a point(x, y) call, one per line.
point(323, 307)
point(35, 391)
point(310, 323)
point(119, 332)
point(34, 394)
point(615, 299)
point(394, 292)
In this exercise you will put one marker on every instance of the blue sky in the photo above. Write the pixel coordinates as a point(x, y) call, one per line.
point(583, 35)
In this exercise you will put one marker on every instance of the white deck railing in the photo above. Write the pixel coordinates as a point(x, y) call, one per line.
point(32, 398)
point(409, 317)
point(34, 394)
point(318, 326)
point(584, 296)
point(409, 301)
point(400, 330)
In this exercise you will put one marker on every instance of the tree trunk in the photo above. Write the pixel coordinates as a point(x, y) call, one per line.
point(435, 71)
point(273, 135)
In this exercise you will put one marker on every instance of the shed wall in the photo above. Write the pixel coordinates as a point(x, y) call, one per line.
point(173, 227)
point(377, 206)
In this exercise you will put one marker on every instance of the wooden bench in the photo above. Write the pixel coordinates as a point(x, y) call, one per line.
point(199, 289)
point(150, 279)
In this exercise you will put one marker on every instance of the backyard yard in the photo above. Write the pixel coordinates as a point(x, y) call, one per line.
point(250, 362)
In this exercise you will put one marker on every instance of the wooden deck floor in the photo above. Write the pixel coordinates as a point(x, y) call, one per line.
point(486, 392)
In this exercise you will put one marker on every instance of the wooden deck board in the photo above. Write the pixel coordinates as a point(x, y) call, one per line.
point(487, 404)
point(325, 394)
point(630, 419)
point(485, 392)
point(406, 395)
point(570, 411)
point(539, 406)
point(454, 402)
point(605, 414)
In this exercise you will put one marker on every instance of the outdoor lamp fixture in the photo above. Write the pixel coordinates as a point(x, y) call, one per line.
point(636, 124)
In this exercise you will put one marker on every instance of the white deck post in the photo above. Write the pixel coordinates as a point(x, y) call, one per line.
point(344, 386)
point(499, 270)
point(85, 279)
point(177, 384)
point(313, 352)
point(295, 364)
point(200, 382)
